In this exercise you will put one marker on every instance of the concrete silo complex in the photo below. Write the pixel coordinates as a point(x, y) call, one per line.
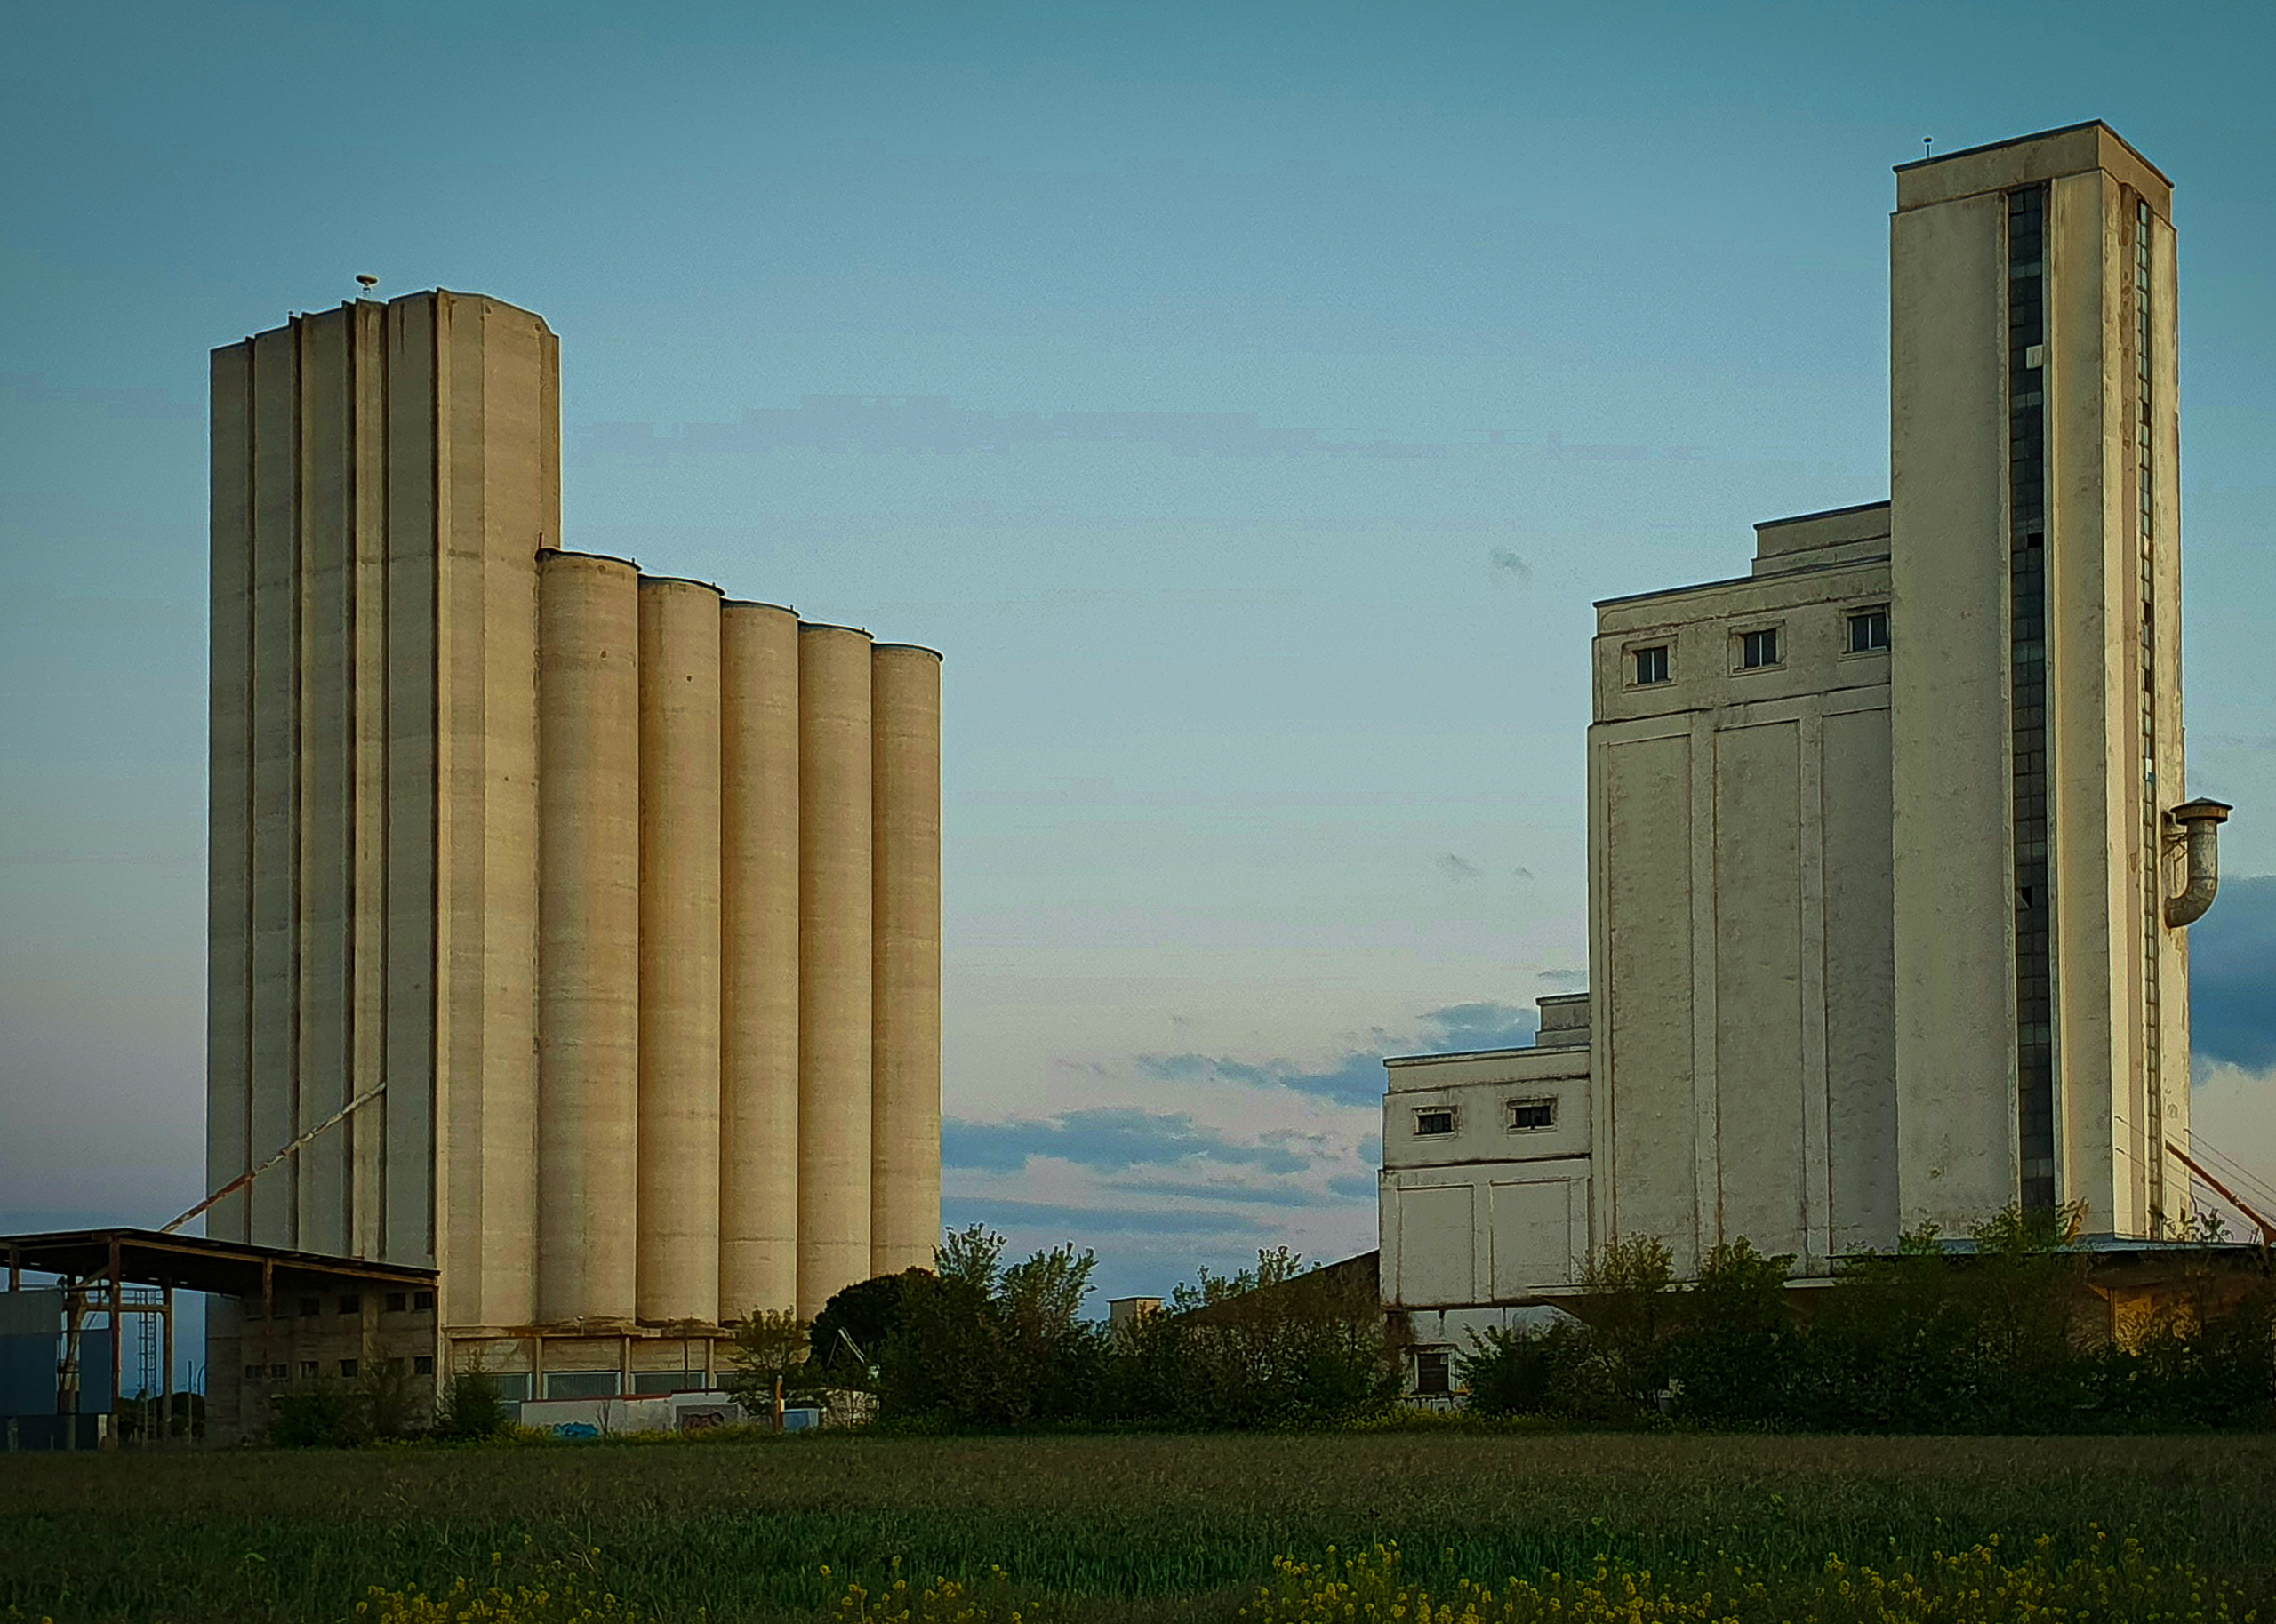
point(606, 909)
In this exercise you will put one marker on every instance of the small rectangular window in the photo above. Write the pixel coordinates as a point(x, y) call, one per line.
point(1758, 649)
point(347, 1367)
point(1532, 1115)
point(311, 1305)
point(351, 1304)
point(422, 1301)
point(1652, 665)
point(1434, 1120)
point(252, 1372)
point(398, 1301)
point(1868, 631)
point(277, 1372)
point(1433, 1372)
point(309, 1369)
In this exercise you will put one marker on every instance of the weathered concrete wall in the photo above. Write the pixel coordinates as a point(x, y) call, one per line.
point(679, 951)
point(905, 956)
point(589, 948)
point(1956, 1149)
point(349, 730)
point(1740, 926)
point(836, 880)
point(555, 850)
point(2120, 1074)
point(758, 1128)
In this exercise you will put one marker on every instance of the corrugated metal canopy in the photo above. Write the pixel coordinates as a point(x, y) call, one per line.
point(197, 1262)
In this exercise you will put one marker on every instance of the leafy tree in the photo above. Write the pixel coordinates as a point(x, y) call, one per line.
point(863, 1316)
point(473, 1407)
point(770, 1354)
point(982, 1345)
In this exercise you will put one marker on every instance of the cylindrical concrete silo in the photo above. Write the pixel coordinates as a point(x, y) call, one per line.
point(834, 981)
point(679, 951)
point(905, 1108)
point(588, 935)
point(758, 1112)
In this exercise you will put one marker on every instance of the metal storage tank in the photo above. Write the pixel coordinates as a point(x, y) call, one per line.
point(905, 956)
point(679, 1196)
point(759, 1111)
point(834, 991)
point(589, 936)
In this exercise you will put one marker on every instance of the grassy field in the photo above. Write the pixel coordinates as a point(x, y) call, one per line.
point(1110, 1528)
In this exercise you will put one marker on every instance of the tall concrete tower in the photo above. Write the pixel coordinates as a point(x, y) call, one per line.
point(2040, 819)
point(605, 909)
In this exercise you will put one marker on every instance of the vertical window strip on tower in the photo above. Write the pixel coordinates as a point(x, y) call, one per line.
point(2153, 844)
point(2027, 584)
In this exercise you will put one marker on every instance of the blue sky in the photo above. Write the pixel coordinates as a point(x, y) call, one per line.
point(1250, 401)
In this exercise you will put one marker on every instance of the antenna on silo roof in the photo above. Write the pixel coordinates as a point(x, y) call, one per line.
point(1928, 146)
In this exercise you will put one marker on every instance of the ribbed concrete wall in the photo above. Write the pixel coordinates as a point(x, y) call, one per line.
point(679, 951)
point(835, 812)
point(228, 928)
point(585, 865)
point(758, 1135)
point(588, 956)
point(905, 958)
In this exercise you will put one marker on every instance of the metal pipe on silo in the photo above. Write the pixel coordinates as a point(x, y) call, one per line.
point(679, 951)
point(835, 810)
point(589, 936)
point(905, 1110)
point(759, 1107)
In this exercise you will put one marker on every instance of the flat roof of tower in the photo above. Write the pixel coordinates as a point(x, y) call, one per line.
point(2039, 135)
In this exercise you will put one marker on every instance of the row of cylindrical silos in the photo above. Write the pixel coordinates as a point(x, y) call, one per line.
point(739, 992)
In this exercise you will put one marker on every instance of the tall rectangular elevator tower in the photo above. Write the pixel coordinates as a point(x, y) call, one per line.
point(2041, 999)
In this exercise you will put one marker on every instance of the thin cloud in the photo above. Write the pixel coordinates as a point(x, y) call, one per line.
point(1108, 1137)
point(1356, 1076)
point(1507, 566)
point(1455, 867)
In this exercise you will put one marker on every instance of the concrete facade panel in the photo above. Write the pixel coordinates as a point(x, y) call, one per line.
point(325, 753)
point(589, 951)
point(905, 954)
point(836, 880)
point(758, 811)
point(679, 1200)
point(274, 414)
point(1649, 1125)
point(1955, 983)
point(1861, 1010)
point(412, 703)
point(1760, 1081)
point(228, 995)
point(1437, 1243)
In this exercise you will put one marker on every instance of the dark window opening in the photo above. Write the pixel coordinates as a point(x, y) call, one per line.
point(351, 1304)
point(398, 1301)
point(311, 1305)
point(1433, 1372)
point(309, 1369)
point(1530, 1116)
point(1651, 666)
point(347, 1367)
point(422, 1300)
point(1758, 649)
point(277, 1372)
point(1430, 1122)
point(1868, 631)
